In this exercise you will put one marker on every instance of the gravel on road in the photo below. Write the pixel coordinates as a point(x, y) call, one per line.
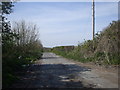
point(53, 71)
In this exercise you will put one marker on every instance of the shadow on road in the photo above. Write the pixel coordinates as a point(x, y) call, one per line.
point(52, 76)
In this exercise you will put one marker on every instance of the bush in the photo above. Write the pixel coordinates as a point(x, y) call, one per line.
point(19, 51)
point(103, 49)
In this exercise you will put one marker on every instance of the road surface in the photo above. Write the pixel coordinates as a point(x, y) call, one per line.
point(53, 71)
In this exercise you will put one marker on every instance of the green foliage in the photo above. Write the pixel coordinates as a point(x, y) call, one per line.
point(17, 50)
point(6, 7)
point(103, 49)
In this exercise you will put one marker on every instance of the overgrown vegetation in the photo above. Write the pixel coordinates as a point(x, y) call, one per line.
point(21, 46)
point(45, 49)
point(104, 49)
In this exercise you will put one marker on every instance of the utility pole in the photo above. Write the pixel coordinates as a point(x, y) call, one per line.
point(93, 18)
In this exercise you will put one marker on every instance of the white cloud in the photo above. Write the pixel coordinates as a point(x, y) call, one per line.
point(106, 9)
point(62, 26)
point(57, 15)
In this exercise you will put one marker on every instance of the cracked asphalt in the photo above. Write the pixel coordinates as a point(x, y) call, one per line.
point(54, 71)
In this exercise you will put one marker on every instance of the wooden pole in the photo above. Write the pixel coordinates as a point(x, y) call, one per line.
point(93, 18)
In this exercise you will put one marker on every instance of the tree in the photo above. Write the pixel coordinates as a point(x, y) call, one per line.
point(7, 35)
point(28, 37)
point(20, 45)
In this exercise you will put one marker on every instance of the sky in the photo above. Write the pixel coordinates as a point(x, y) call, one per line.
point(65, 23)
